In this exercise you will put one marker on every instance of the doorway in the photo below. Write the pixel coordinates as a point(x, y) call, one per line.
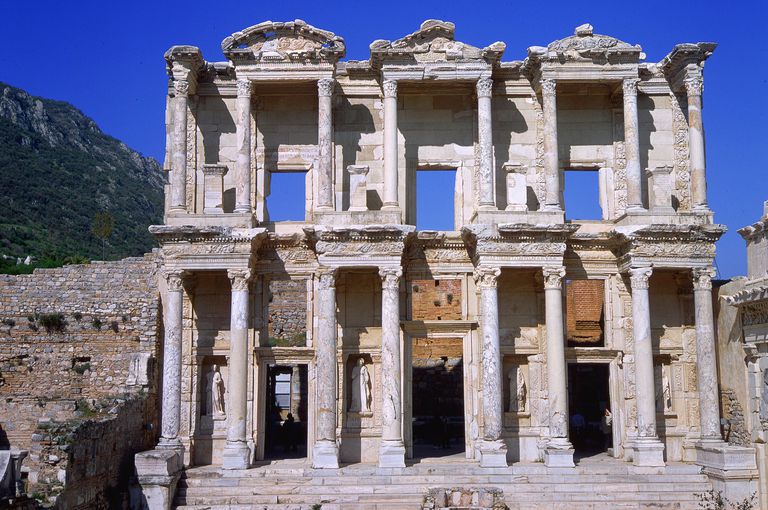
point(285, 423)
point(588, 400)
point(437, 383)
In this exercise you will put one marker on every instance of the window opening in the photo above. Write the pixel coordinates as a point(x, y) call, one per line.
point(435, 199)
point(287, 196)
point(582, 195)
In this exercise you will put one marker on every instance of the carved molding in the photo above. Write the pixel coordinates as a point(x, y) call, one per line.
point(325, 87)
point(694, 85)
point(553, 276)
point(639, 277)
point(484, 87)
point(174, 279)
point(244, 88)
point(390, 88)
point(239, 278)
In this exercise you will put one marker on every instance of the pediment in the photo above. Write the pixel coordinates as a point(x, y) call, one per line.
point(586, 46)
point(433, 42)
point(283, 42)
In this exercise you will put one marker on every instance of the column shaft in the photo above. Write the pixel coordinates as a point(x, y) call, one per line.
point(243, 163)
point(632, 146)
point(551, 158)
point(485, 142)
point(325, 453)
point(390, 144)
point(178, 178)
point(325, 144)
point(392, 451)
point(694, 87)
point(705, 355)
point(171, 400)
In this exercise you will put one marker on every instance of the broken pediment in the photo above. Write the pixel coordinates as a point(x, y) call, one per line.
point(290, 41)
point(432, 42)
point(586, 46)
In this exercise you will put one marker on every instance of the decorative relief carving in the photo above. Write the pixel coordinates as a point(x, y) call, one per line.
point(754, 313)
point(629, 86)
point(681, 155)
point(239, 278)
point(390, 88)
point(325, 87)
point(191, 174)
point(390, 277)
point(553, 277)
point(694, 85)
point(244, 88)
point(639, 277)
point(326, 279)
point(175, 252)
point(484, 87)
point(540, 187)
point(702, 278)
point(181, 87)
point(174, 280)
point(548, 88)
point(620, 177)
point(487, 276)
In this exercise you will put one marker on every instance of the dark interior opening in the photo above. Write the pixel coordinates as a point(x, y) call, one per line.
point(588, 399)
point(286, 415)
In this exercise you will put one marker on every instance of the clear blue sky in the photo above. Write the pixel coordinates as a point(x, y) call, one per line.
point(106, 58)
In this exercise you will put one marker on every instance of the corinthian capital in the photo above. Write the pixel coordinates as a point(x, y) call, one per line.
point(390, 88)
point(484, 87)
point(630, 86)
point(639, 277)
point(326, 278)
point(244, 88)
point(325, 87)
point(553, 276)
point(487, 277)
point(702, 278)
point(694, 85)
point(548, 87)
point(239, 278)
point(174, 279)
point(181, 87)
point(390, 277)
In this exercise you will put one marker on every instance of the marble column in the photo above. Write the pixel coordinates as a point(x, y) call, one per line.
point(551, 158)
point(178, 178)
point(706, 363)
point(647, 449)
point(236, 452)
point(325, 452)
point(243, 162)
point(172, 323)
point(694, 86)
point(485, 142)
point(559, 451)
point(390, 145)
point(325, 144)
point(392, 449)
point(493, 450)
point(632, 146)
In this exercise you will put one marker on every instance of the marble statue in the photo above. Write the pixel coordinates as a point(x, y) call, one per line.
point(361, 388)
point(517, 401)
point(215, 393)
point(666, 393)
point(764, 397)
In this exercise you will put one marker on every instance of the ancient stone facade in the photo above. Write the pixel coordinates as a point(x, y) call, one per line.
point(375, 288)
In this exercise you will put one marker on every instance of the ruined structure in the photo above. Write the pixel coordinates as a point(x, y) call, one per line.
point(459, 331)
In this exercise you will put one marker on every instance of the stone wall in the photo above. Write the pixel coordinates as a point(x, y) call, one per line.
point(75, 343)
point(287, 312)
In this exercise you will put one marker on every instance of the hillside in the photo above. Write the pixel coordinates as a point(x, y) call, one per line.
point(57, 171)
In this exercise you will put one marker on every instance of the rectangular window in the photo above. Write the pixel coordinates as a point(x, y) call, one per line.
point(435, 191)
point(582, 195)
point(287, 196)
point(585, 313)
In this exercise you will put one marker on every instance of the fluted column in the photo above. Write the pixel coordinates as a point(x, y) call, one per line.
point(632, 146)
point(171, 400)
point(694, 86)
point(559, 451)
point(243, 162)
point(236, 452)
point(390, 145)
point(551, 158)
point(706, 362)
point(485, 141)
point(324, 142)
point(178, 177)
point(325, 452)
point(392, 450)
point(493, 450)
point(648, 450)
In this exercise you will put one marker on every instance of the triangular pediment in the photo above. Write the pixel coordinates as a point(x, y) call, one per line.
point(283, 42)
point(586, 46)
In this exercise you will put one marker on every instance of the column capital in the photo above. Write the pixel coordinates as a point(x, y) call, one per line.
point(390, 277)
point(639, 277)
point(548, 87)
point(326, 278)
point(390, 88)
point(484, 87)
point(175, 279)
point(181, 88)
point(239, 278)
point(244, 87)
point(487, 277)
point(553, 276)
point(629, 85)
point(702, 278)
point(694, 85)
point(325, 87)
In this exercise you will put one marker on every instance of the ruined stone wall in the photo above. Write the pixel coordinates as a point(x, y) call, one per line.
point(287, 323)
point(74, 343)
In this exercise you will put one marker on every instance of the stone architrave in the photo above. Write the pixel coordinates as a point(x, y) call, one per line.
point(358, 187)
point(493, 450)
point(213, 193)
point(243, 162)
point(632, 146)
point(325, 144)
point(178, 178)
point(171, 400)
point(694, 87)
point(706, 363)
point(660, 186)
point(484, 88)
point(390, 145)
point(517, 187)
point(325, 451)
point(551, 158)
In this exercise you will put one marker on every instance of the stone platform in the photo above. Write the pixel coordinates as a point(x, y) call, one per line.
point(599, 483)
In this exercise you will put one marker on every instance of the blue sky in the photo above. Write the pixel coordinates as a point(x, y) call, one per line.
point(106, 58)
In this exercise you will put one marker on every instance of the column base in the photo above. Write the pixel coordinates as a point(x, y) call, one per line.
point(731, 469)
point(236, 456)
point(493, 453)
point(487, 207)
point(158, 473)
point(325, 455)
point(552, 208)
point(242, 209)
point(636, 209)
point(559, 454)
point(391, 454)
point(170, 444)
point(647, 452)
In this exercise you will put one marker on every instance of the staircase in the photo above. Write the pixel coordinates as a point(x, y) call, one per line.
point(604, 484)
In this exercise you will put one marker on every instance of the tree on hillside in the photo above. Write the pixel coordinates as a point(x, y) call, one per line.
point(101, 227)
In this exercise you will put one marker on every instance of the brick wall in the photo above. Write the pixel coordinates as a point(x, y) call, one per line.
point(584, 311)
point(287, 312)
point(435, 299)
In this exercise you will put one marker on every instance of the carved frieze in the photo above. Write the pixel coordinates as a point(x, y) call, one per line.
point(754, 313)
point(371, 242)
point(681, 155)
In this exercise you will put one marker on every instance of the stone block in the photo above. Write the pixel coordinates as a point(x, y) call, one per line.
point(517, 186)
point(358, 189)
point(660, 188)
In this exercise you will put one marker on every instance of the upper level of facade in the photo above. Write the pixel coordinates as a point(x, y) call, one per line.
point(285, 101)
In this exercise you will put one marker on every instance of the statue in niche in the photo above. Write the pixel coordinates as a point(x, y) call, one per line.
point(517, 400)
point(361, 388)
point(764, 397)
point(215, 393)
point(666, 393)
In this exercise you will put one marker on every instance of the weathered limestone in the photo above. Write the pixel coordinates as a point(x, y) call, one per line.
point(484, 88)
point(551, 159)
point(660, 185)
point(325, 144)
point(694, 86)
point(706, 364)
point(632, 146)
point(171, 402)
point(647, 449)
point(213, 198)
point(243, 163)
point(158, 472)
point(236, 452)
point(325, 451)
point(178, 178)
point(517, 188)
point(392, 450)
point(390, 144)
point(358, 187)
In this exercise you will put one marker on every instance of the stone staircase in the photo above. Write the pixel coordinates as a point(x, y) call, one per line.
point(607, 484)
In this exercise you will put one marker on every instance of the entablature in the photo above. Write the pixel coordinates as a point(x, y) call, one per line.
point(517, 245)
point(361, 245)
point(668, 246)
point(207, 248)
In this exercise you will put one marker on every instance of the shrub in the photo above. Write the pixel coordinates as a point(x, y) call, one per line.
point(113, 326)
point(78, 316)
point(53, 322)
point(81, 368)
point(96, 323)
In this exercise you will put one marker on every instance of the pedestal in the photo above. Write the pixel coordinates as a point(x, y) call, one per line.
point(325, 455)
point(493, 454)
point(731, 469)
point(392, 454)
point(236, 456)
point(158, 472)
point(647, 453)
point(558, 456)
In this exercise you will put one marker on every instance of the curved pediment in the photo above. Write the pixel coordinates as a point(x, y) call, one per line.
point(284, 42)
point(585, 45)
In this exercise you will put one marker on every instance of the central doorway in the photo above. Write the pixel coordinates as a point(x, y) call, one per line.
point(588, 400)
point(285, 432)
point(437, 383)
